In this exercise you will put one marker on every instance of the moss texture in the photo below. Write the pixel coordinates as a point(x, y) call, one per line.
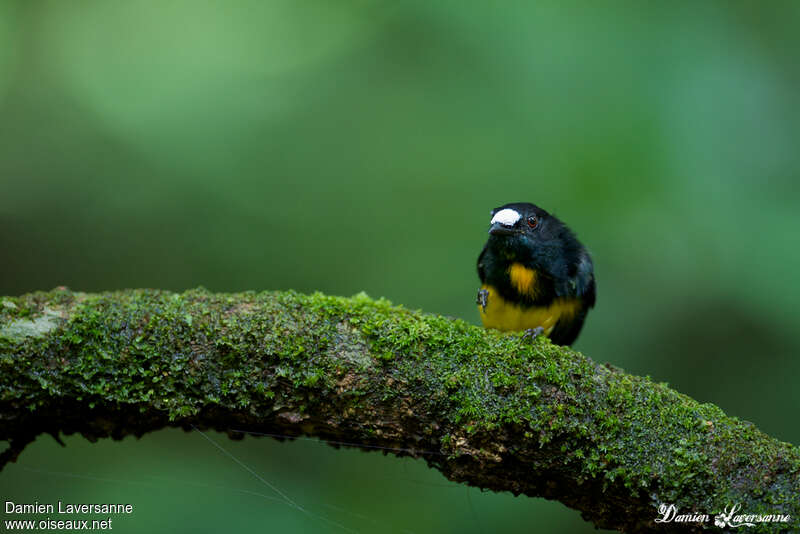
point(489, 409)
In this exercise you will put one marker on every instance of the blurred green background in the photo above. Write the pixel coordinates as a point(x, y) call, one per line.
point(359, 145)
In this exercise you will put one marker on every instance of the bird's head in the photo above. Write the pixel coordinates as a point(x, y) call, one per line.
point(521, 231)
point(517, 228)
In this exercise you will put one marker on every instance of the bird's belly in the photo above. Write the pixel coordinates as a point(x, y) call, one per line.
point(504, 315)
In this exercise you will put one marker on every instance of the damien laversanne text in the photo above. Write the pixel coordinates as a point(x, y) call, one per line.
point(67, 508)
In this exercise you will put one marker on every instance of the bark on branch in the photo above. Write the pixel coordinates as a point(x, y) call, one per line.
point(487, 409)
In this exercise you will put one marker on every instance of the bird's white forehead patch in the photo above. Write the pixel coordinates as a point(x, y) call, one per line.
point(506, 216)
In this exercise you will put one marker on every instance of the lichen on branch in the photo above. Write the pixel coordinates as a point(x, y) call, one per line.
point(485, 408)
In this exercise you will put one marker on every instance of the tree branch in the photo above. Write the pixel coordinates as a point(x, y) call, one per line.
point(492, 410)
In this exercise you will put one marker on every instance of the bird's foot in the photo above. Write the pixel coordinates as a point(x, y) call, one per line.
point(532, 333)
point(483, 298)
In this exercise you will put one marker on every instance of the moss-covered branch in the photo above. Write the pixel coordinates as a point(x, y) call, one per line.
point(498, 411)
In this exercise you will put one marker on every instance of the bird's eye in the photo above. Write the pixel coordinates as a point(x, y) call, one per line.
point(533, 222)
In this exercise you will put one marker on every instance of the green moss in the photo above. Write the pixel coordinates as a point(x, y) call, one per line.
point(269, 352)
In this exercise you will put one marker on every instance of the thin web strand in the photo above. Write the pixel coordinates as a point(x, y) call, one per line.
point(249, 470)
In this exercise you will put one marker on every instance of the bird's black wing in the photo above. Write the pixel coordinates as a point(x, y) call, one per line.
point(584, 281)
point(581, 286)
point(481, 266)
point(566, 330)
point(579, 281)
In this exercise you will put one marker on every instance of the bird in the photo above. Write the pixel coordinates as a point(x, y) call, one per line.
point(535, 275)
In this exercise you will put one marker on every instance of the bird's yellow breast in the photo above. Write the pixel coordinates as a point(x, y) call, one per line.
point(504, 315)
point(524, 279)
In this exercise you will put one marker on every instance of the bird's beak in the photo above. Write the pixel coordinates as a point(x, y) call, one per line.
point(499, 228)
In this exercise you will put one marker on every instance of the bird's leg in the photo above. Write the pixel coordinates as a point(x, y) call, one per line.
point(483, 299)
point(533, 333)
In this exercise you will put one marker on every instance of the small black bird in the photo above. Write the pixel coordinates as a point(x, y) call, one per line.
point(535, 275)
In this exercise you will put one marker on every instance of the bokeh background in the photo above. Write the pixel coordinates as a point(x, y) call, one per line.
point(359, 145)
